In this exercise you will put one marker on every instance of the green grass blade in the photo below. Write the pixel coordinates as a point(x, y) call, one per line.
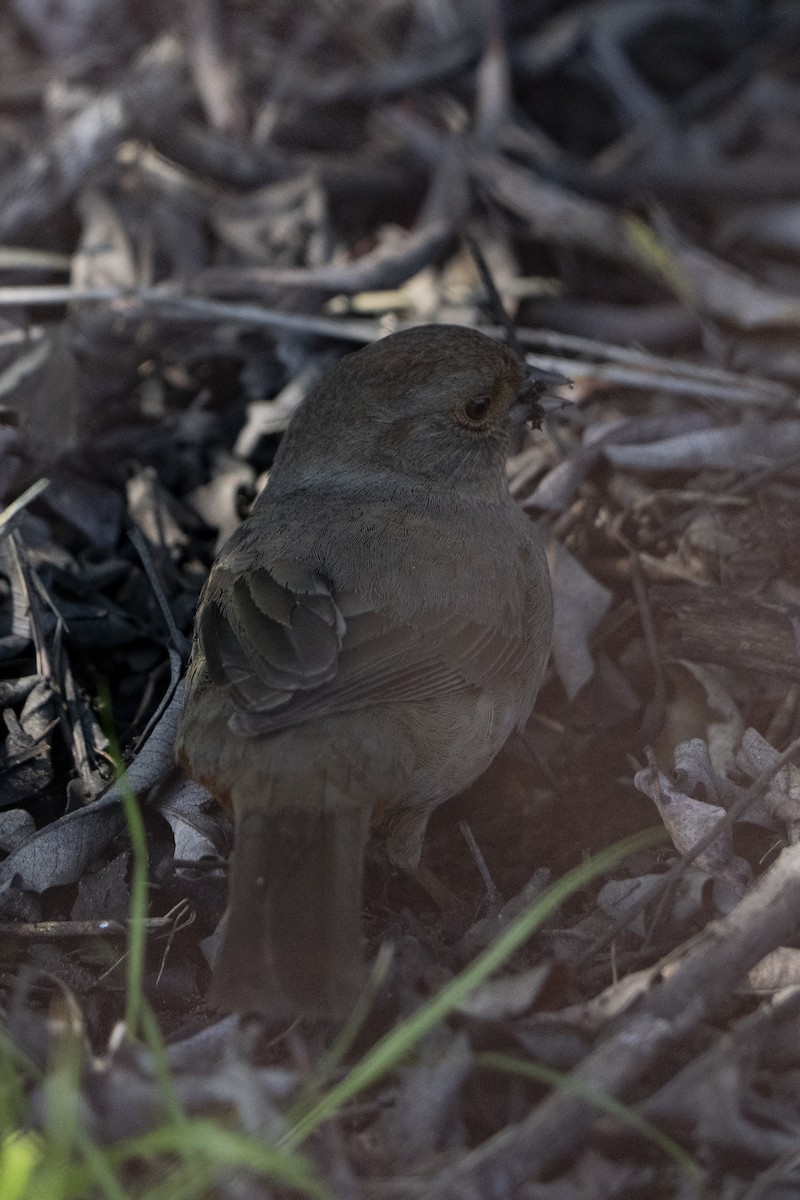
point(155, 1044)
point(20, 1155)
point(396, 1045)
point(607, 1104)
point(338, 1051)
point(223, 1150)
point(137, 937)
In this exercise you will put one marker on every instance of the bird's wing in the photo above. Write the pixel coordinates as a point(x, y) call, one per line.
point(288, 649)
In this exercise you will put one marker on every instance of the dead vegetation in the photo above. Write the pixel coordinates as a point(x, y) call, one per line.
point(200, 210)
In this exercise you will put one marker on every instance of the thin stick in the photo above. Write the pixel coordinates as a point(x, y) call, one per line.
point(736, 810)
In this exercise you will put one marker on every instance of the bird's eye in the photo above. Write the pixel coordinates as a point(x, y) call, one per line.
point(474, 412)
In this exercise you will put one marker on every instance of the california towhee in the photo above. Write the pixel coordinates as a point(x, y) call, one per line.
point(365, 644)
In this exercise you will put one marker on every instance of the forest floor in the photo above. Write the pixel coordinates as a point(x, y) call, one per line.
point(204, 206)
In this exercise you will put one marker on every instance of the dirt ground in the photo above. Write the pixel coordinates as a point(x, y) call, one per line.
point(204, 206)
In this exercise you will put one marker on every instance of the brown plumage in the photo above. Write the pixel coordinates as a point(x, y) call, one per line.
point(365, 644)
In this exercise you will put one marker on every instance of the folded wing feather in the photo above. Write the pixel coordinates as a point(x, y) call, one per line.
point(279, 641)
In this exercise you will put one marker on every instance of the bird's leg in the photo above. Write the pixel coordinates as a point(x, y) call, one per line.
point(445, 900)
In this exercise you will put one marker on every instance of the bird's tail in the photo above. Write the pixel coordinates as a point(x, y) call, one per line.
point(292, 942)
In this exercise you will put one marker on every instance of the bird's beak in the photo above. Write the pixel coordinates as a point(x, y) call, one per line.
point(536, 399)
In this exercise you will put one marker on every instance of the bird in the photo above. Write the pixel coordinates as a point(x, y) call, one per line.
point(366, 642)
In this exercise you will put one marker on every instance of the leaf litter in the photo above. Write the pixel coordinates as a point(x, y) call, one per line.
point(199, 216)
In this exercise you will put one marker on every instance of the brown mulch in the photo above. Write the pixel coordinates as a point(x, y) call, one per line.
point(202, 208)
